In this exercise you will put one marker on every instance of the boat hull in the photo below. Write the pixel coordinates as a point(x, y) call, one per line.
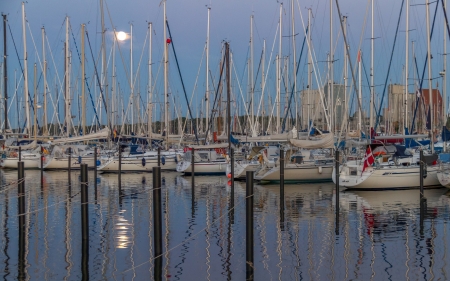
point(202, 168)
point(135, 164)
point(389, 178)
point(310, 173)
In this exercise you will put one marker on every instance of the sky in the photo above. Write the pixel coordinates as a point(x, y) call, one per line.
point(229, 21)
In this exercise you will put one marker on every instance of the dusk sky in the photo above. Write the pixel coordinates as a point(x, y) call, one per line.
point(230, 21)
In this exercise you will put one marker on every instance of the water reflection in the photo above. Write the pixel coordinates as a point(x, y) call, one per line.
point(381, 234)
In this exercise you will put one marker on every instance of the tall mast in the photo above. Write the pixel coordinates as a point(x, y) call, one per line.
point(294, 73)
point(114, 104)
point(104, 85)
point(150, 84)
point(83, 83)
point(5, 72)
point(35, 101)
point(227, 62)
point(45, 129)
point(430, 86)
point(67, 81)
point(444, 83)
point(252, 91)
point(132, 79)
point(345, 72)
point(263, 84)
point(207, 77)
point(25, 72)
point(309, 70)
point(372, 89)
point(331, 92)
point(279, 74)
point(166, 93)
point(407, 63)
point(359, 90)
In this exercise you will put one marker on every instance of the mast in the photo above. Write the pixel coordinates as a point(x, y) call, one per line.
point(263, 84)
point(25, 73)
point(114, 103)
point(444, 83)
point(105, 69)
point(407, 63)
point(359, 90)
point(207, 77)
point(150, 93)
point(166, 94)
point(372, 89)
point(227, 62)
point(131, 79)
point(345, 73)
point(5, 72)
point(252, 91)
point(67, 81)
point(309, 71)
point(295, 64)
point(83, 83)
point(45, 129)
point(331, 92)
point(279, 74)
point(430, 86)
point(35, 101)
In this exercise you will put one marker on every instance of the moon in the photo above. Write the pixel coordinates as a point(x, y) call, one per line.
point(121, 36)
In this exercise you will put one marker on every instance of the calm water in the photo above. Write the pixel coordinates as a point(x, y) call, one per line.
point(380, 235)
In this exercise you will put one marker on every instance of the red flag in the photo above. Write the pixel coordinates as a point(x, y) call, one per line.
point(368, 159)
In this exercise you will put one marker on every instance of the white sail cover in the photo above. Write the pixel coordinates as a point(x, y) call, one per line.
point(102, 134)
point(325, 141)
point(27, 146)
point(210, 146)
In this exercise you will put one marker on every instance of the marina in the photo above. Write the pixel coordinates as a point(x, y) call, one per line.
point(227, 141)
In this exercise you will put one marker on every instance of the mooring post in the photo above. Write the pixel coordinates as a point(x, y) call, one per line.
point(21, 213)
point(20, 153)
point(95, 161)
point(249, 225)
point(120, 165)
point(336, 172)
point(282, 188)
point(69, 164)
point(159, 156)
point(193, 169)
point(84, 201)
point(157, 223)
point(42, 164)
point(421, 173)
point(84, 222)
point(232, 186)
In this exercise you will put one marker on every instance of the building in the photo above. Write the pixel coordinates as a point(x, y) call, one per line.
point(312, 107)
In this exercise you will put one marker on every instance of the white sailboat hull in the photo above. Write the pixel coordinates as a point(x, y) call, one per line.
point(28, 162)
point(135, 164)
point(294, 173)
point(202, 168)
point(390, 177)
point(62, 163)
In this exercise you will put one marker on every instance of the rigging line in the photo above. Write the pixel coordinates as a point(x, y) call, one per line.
point(96, 74)
point(215, 98)
point(423, 72)
point(295, 80)
point(87, 84)
point(182, 82)
point(21, 68)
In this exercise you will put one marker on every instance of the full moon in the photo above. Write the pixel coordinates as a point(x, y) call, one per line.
point(121, 36)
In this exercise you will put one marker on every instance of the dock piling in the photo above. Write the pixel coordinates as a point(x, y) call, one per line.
point(249, 225)
point(282, 188)
point(336, 167)
point(157, 223)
